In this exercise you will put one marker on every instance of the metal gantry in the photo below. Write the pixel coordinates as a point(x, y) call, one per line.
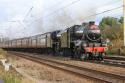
point(124, 20)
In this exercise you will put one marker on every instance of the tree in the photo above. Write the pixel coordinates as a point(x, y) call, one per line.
point(112, 28)
point(121, 20)
point(108, 21)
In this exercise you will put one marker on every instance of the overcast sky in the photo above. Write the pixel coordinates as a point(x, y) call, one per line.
point(19, 18)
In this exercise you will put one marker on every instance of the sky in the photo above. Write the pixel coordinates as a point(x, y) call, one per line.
point(22, 18)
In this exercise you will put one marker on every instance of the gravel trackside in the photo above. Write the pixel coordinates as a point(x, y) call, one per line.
point(39, 73)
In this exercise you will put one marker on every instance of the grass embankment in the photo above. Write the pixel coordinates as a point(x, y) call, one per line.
point(10, 76)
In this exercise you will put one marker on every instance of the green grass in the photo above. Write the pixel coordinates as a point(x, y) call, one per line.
point(10, 76)
point(11, 79)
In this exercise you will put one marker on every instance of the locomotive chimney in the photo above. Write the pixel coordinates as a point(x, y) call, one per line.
point(91, 23)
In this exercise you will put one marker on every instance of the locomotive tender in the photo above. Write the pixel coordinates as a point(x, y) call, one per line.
point(79, 42)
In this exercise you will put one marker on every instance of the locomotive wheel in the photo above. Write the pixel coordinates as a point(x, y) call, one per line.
point(83, 57)
point(100, 57)
point(80, 55)
point(76, 55)
point(90, 57)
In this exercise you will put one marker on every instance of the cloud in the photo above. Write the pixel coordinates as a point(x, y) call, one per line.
point(113, 13)
point(13, 10)
point(35, 23)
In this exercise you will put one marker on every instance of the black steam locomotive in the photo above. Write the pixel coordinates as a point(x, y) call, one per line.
point(79, 42)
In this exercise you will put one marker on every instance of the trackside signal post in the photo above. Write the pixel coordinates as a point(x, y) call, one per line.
point(124, 20)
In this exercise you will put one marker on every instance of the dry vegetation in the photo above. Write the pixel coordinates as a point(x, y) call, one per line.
point(2, 54)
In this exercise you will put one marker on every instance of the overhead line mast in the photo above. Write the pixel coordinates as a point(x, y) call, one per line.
point(124, 20)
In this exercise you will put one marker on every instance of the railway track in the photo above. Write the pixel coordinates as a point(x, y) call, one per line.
point(115, 60)
point(75, 69)
point(117, 63)
point(116, 57)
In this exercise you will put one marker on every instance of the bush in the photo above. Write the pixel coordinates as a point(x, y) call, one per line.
point(123, 51)
point(112, 51)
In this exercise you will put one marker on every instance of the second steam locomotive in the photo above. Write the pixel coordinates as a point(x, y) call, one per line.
point(79, 42)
